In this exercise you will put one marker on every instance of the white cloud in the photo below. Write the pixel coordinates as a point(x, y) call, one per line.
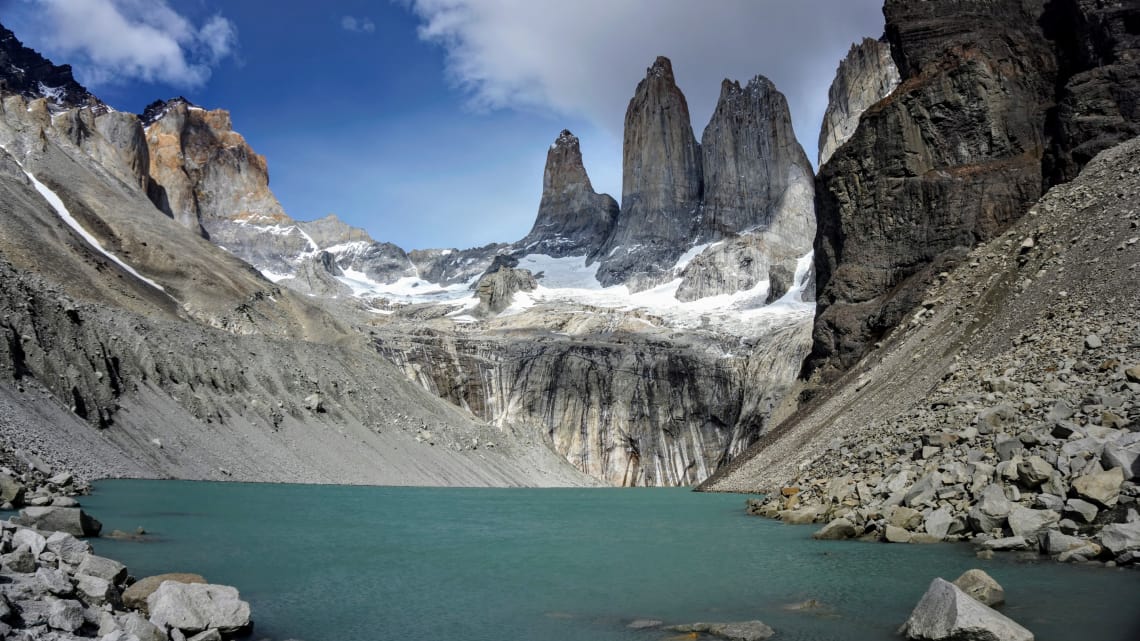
point(585, 58)
point(358, 25)
point(112, 41)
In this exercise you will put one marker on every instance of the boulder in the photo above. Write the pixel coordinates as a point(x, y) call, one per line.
point(938, 522)
point(1034, 471)
point(11, 490)
point(836, 530)
point(93, 590)
point(1102, 488)
point(739, 631)
point(894, 534)
point(136, 595)
point(923, 490)
point(991, 510)
point(136, 624)
point(1125, 457)
point(34, 540)
point(981, 586)
point(68, 548)
point(905, 518)
point(802, 516)
point(1080, 510)
point(72, 520)
point(947, 613)
point(196, 607)
point(1055, 542)
point(208, 635)
point(1007, 544)
point(54, 581)
point(1027, 523)
point(104, 568)
point(1119, 538)
point(20, 560)
point(65, 614)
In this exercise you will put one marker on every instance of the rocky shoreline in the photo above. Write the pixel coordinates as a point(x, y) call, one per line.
point(1006, 411)
point(54, 588)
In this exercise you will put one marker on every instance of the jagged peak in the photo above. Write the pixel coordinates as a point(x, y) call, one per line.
point(566, 138)
point(25, 72)
point(159, 108)
point(662, 67)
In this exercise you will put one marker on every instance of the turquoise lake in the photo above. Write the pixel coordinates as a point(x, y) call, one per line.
point(322, 563)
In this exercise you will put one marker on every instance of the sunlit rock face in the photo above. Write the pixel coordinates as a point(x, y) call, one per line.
point(661, 184)
point(573, 219)
point(866, 76)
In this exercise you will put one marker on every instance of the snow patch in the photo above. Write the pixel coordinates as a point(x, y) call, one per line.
point(56, 203)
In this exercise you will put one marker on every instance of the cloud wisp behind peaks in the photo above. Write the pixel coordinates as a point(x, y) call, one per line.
point(114, 41)
point(584, 58)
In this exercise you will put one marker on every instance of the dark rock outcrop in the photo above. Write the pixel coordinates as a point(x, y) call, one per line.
point(865, 76)
point(24, 71)
point(661, 184)
point(573, 219)
point(1098, 106)
point(950, 158)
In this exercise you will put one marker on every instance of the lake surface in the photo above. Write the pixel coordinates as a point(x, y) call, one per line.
point(323, 563)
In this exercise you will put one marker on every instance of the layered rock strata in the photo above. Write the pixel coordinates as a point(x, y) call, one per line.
point(865, 76)
point(573, 219)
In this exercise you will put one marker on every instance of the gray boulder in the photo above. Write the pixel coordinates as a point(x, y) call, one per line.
point(836, 530)
point(20, 560)
point(981, 586)
point(1119, 538)
point(72, 520)
point(1080, 510)
point(34, 540)
point(68, 548)
point(991, 510)
point(65, 614)
point(196, 607)
point(1028, 523)
point(93, 590)
point(947, 613)
point(938, 522)
point(103, 568)
point(54, 581)
point(11, 490)
point(1034, 471)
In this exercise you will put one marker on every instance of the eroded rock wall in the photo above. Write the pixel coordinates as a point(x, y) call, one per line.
point(866, 76)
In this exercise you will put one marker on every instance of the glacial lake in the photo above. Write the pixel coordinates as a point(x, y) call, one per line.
point(322, 563)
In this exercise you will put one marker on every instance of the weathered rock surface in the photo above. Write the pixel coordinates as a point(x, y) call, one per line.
point(981, 586)
point(71, 520)
point(865, 76)
point(661, 184)
point(497, 290)
point(573, 219)
point(756, 175)
point(946, 613)
point(953, 156)
point(196, 607)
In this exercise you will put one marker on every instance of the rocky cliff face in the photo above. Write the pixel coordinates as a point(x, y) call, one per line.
point(661, 184)
point(25, 72)
point(621, 396)
point(573, 219)
point(1005, 408)
point(866, 76)
point(953, 156)
point(1098, 106)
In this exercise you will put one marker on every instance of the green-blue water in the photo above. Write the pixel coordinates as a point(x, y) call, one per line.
point(326, 563)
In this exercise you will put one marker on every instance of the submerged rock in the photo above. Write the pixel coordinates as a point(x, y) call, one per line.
point(981, 586)
point(740, 631)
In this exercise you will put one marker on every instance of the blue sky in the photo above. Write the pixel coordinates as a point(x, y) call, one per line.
point(427, 121)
